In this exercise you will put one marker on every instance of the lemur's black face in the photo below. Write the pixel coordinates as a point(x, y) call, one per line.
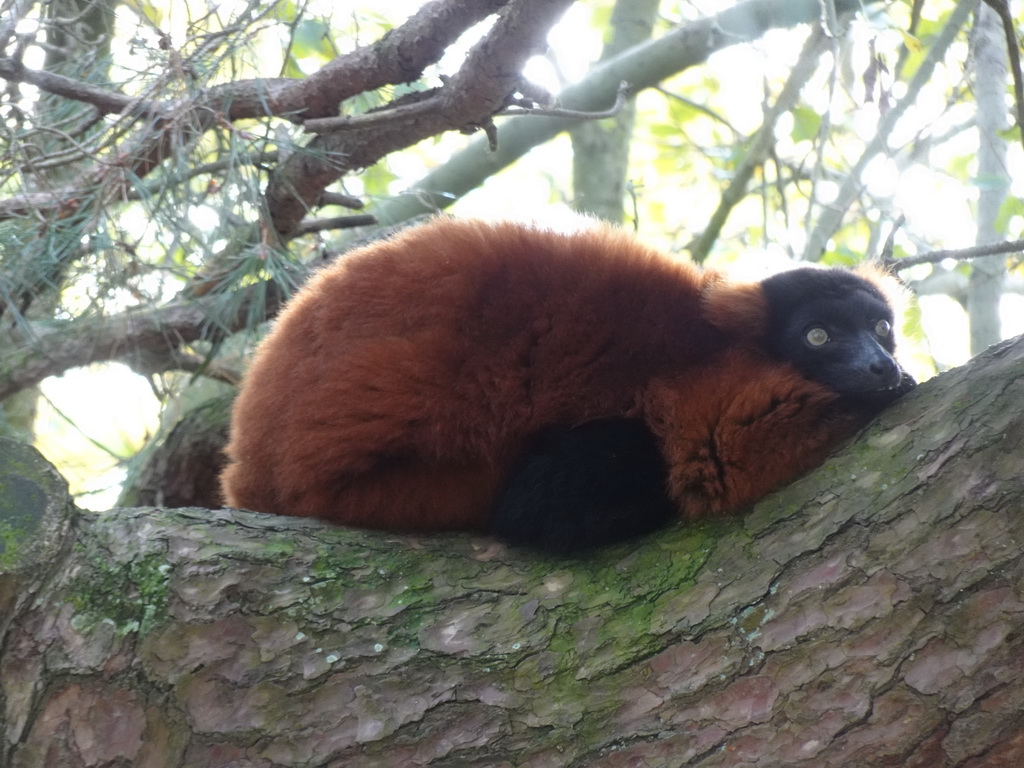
point(836, 328)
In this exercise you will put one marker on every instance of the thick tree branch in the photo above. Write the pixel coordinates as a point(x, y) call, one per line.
point(481, 87)
point(399, 57)
point(869, 615)
point(147, 340)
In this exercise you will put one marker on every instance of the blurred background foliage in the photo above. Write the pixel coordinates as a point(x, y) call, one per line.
point(143, 244)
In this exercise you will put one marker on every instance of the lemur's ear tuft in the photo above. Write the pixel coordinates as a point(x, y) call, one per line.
point(737, 309)
point(891, 287)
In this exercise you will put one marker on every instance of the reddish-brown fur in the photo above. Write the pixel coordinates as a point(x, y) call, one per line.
point(401, 383)
point(740, 427)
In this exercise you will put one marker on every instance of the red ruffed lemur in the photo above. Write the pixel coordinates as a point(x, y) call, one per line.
point(561, 391)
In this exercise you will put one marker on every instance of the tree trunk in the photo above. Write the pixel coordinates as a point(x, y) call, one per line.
point(871, 614)
point(985, 285)
point(183, 469)
point(600, 149)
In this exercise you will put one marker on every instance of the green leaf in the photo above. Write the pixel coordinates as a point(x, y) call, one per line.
point(806, 124)
point(1012, 207)
point(312, 39)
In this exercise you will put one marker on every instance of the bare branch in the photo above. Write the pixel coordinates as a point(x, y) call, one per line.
point(145, 340)
point(957, 254)
point(335, 222)
point(885, 257)
point(621, 96)
point(104, 99)
point(176, 360)
point(400, 58)
point(481, 87)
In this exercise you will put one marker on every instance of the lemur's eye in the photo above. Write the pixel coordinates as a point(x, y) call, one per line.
point(816, 337)
point(883, 328)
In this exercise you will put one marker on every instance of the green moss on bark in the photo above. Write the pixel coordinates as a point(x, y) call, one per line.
point(32, 498)
point(133, 595)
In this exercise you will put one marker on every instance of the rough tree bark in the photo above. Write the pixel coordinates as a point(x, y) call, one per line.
point(871, 614)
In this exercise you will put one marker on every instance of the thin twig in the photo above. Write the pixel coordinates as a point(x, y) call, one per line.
point(699, 108)
point(307, 226)
point(760, 147)
point(621, 96)
point(885, 257)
